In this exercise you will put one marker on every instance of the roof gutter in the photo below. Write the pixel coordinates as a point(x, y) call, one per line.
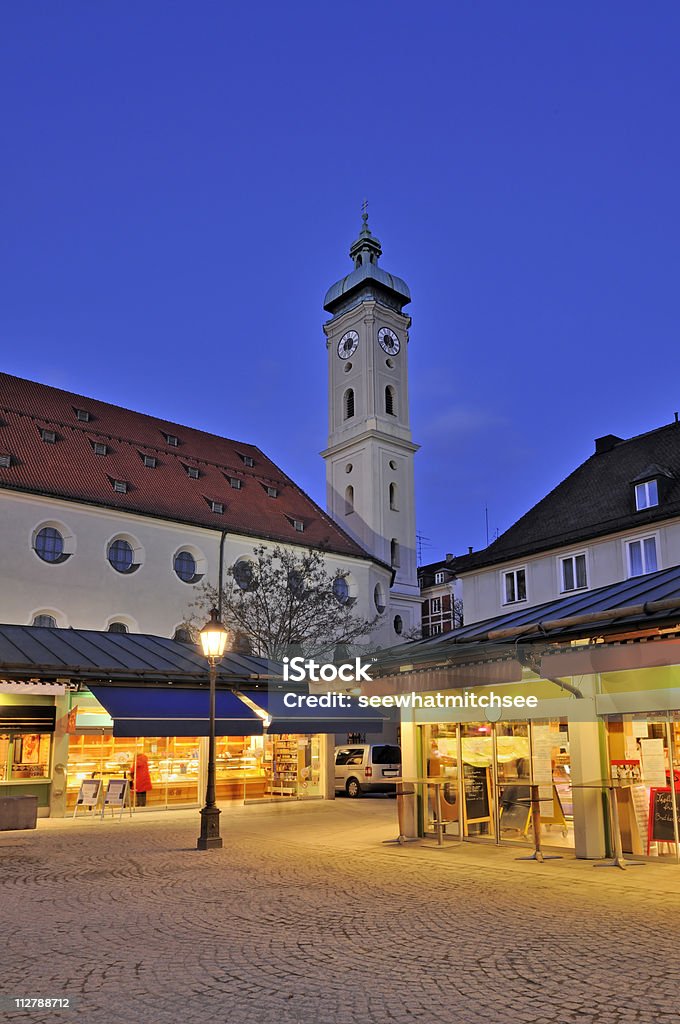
point(547, 625)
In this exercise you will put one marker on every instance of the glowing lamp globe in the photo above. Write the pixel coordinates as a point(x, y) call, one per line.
point(213, 637)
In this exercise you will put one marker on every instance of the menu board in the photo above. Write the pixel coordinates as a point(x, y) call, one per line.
point(88, 795)
point(661, 828)
point(476, 782)
point(542, 737)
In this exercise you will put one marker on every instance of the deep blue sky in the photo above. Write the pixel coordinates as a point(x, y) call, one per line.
point(181, 182)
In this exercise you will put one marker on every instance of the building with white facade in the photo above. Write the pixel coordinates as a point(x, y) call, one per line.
point(111, 519)
point(616, 517)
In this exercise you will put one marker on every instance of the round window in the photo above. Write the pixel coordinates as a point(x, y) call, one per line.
point(398, 625)
point(47, 621)
point(244, 574)
point(49, 545)
point(121, 556)
point(379, 598)
point(340, 590)
point(185, 567)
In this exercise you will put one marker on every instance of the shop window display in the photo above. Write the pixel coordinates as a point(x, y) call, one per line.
point(172, 763)
point(25, 756)
point(643, 758)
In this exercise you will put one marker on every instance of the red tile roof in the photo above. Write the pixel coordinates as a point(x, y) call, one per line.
point(69, 468)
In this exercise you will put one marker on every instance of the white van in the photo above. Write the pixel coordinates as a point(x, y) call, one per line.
point(367, 768)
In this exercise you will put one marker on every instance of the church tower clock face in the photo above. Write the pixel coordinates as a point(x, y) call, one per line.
point(347, 345)
point(389, 342)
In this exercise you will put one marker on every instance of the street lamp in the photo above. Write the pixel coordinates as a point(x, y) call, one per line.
point(213, 641)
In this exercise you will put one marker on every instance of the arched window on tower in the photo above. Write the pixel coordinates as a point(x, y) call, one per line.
point(393, 497)
point(394, 553)
point(349, 499)
point(390, 401)
point(348, 403)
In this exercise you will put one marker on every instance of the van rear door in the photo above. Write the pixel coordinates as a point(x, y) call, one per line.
point(386, 759)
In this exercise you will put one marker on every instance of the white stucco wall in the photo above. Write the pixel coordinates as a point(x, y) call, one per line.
point(606, 561)
point(85, 592)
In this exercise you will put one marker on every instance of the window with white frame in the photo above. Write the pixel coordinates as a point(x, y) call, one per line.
point(646, 494)
point(573, 572)
point(642, 556)
point(439, 577)
point(435, 629)
point(514, 586)
point(435, 605)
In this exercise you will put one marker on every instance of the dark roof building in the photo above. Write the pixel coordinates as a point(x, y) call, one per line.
point(596, 499)
point(614, 518)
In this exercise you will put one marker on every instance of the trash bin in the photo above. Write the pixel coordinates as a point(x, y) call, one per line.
point(405, 793)
point(18, 812)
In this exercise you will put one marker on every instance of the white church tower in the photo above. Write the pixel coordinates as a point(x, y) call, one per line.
point(369, 458)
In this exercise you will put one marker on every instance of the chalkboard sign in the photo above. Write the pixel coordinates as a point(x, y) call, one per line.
point(476, 781)
point(660, 827)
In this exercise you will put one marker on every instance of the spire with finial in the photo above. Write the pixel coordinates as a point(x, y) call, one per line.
point(366, 249)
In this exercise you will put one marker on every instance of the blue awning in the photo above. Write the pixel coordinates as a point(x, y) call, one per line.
point(175, 711)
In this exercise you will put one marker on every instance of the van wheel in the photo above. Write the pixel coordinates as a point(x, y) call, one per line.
point(353, 788)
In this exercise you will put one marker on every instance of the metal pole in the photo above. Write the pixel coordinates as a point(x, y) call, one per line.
point(494, 777)
point(674, 799)
point(209, 838)
point(461, 783)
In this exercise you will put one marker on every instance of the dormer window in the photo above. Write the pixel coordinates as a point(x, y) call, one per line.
point(172, 440)
point(99, 448)
point(235, 483)
point(82, 415)
point(248, 460)
point(192, 472)
point(48, 436)
point(120, 486)
point(272, 492)
point(298, 525)
point(5, 461)
point(438, 577)
point(646, 495)
point(149, 461)
point(217, 506)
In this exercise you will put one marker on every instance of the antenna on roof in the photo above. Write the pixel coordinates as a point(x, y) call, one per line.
point(676, 416)
point(486, 515)
point(423, 541)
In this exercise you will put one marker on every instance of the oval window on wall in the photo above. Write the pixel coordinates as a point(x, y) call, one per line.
point(186, 568)
point(379, 598)
point(121, 556)
point(48, 544)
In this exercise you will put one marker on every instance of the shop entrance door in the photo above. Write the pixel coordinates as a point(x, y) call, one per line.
point(484, 772)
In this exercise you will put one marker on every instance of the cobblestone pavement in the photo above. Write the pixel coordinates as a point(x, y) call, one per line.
point(306, 917)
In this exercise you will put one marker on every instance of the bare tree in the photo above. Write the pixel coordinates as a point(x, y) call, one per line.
point(282, 602)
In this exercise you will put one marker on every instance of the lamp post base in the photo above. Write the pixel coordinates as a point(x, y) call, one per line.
point(210, 838)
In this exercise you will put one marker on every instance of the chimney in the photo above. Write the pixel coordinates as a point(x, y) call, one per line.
point(606, 443)
point(469, 549)
point(449, 556)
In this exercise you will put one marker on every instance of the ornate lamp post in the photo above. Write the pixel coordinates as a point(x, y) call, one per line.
point(213, 641)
